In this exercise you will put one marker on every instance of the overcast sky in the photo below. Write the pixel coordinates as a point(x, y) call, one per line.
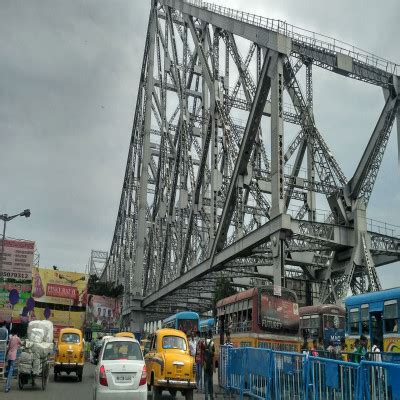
point(69, 73)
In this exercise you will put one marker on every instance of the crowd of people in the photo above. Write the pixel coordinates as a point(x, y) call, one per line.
point(354, 353)
point(203, 351)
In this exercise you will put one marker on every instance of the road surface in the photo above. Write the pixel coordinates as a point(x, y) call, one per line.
point(67, 388)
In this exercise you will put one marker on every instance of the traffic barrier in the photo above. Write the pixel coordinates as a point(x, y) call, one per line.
point(327, 378)
point(289, 375)
point(380, 380)
point(275, 375)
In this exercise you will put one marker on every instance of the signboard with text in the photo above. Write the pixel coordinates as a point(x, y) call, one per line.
point(278, 313)
point(59, 287)
point(17, 259)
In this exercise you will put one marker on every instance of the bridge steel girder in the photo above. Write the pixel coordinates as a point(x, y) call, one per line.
point(203, 199)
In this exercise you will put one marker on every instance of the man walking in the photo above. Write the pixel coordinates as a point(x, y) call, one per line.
point(192, 345)
point(13, 346)
point(199, 358)
point(209, 351)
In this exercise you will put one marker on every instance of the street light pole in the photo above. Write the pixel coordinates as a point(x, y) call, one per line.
point(5, 218)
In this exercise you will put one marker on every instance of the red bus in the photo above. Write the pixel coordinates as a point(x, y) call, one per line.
point(258, 318)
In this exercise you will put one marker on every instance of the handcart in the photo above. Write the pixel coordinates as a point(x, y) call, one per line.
point(24, 378)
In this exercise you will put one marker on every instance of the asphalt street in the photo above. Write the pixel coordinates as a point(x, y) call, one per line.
point(67, 388)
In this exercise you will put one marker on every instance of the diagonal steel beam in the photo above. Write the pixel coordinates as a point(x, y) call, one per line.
point(362, 182)
point(249, 135)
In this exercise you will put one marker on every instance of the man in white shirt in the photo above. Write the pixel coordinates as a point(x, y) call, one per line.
point(192, 345)
point(376, 352)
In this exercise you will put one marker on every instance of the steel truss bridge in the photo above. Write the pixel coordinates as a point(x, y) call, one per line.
point(211, 183)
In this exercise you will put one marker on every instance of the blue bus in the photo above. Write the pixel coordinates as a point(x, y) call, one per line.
point(186, 321)
point(207, 325)
point(375, 315)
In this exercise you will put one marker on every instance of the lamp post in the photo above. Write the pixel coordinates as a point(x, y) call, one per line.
point(71, 283)
point(6, 218)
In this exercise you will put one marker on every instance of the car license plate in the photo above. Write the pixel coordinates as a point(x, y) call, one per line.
point(124, 378)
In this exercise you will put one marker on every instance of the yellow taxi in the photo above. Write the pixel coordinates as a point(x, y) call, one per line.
point(70, 355)
point(125, 334)
point(169, 364)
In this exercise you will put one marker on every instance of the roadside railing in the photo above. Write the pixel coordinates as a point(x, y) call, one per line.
point(276, 375)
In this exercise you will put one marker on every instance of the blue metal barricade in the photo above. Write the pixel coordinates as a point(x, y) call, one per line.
point(267, 374)
point(237, 367)
point(223, 366)
point(332, 379)
point(380, 381)
point(258, 379)
point(288, 376)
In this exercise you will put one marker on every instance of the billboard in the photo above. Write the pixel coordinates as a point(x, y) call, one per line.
point(59, 287)
point(60, 318)
point(16, 301)
point(102, 312)
point(278, 313)
point(17, 260)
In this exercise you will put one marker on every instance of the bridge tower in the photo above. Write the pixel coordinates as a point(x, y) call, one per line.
point(216, 183)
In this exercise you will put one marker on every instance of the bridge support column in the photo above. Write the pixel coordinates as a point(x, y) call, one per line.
point(135, 316)
point(359, 270)
point(277, 172)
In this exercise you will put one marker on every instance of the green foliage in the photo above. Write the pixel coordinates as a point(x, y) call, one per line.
point(107, 289)
point(223, 288)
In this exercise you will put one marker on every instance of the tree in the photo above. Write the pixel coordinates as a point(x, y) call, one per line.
point(223, 288)
point(107, 289)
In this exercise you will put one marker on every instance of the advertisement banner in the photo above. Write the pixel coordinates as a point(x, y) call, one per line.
point(278, 313)
point(59, 287)
point(102, 313)
point(17, 260)
point(60, 318)
point(16, 302)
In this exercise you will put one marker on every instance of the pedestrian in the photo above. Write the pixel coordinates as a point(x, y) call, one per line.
point(331, 349)
point(228, 340)
point(192, 345)
point(343, 349)
point(376, 352)
point(361, 350)
point(3, 331)
point(199, 358)
point(209, 351)
point(304, 347)
point(13, 346)
point(314, 351)
point(320, 347)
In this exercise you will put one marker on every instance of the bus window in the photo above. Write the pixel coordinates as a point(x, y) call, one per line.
point(314, 326)
point(391, 315)
point(353, 322)
point(364, 319)
point(333, 321)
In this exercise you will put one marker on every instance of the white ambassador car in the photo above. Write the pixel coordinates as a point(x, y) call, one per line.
point(121, 371)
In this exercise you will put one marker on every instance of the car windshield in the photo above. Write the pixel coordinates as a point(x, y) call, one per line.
point(173, 342)
point(70, 338)
point(122, 350)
